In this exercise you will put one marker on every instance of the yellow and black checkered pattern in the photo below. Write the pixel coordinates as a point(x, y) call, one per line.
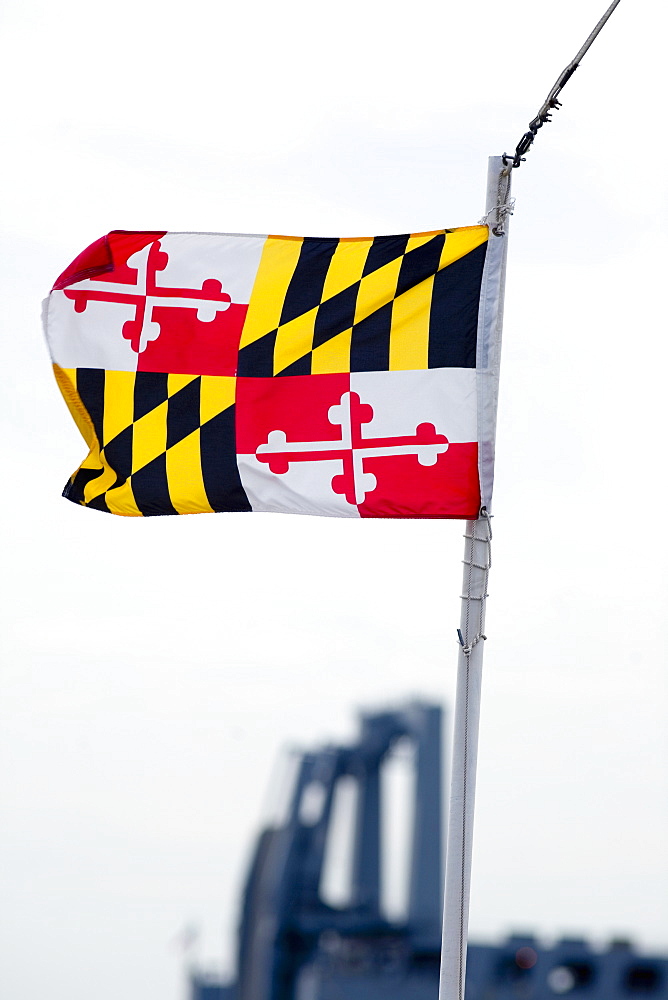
point(159, 444)
point(392, 303)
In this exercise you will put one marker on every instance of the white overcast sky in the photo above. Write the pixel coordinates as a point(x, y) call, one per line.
point(153, 668)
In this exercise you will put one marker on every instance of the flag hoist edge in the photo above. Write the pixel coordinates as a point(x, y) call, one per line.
point(344, 377)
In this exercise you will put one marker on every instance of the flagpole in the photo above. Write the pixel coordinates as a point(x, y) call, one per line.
point(477, 561)
point(477, 551)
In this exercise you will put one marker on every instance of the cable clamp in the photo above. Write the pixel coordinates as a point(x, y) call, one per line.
point(514, 161)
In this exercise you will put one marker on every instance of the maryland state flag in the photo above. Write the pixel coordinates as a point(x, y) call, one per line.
point(345, 377)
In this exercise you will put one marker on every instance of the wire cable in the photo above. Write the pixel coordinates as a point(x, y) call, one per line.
point(551, 103)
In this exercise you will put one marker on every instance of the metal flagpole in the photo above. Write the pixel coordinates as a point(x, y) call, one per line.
point(477, 562)
point(477, 551)
point(464, 759)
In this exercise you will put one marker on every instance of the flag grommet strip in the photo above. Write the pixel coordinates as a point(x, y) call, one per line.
point(490, 324)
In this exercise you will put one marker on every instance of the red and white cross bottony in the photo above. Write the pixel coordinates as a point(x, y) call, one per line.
point(173, 304)
point(352, 448)
point(364, 444)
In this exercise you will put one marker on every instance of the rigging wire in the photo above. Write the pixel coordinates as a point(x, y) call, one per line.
point(551, 103)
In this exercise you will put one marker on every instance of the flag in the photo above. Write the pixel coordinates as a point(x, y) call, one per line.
point(344, 377)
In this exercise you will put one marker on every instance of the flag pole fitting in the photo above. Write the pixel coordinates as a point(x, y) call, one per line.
point(496, 218)
point(551, 102)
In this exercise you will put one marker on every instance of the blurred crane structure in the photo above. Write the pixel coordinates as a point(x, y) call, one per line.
point(297, 943)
